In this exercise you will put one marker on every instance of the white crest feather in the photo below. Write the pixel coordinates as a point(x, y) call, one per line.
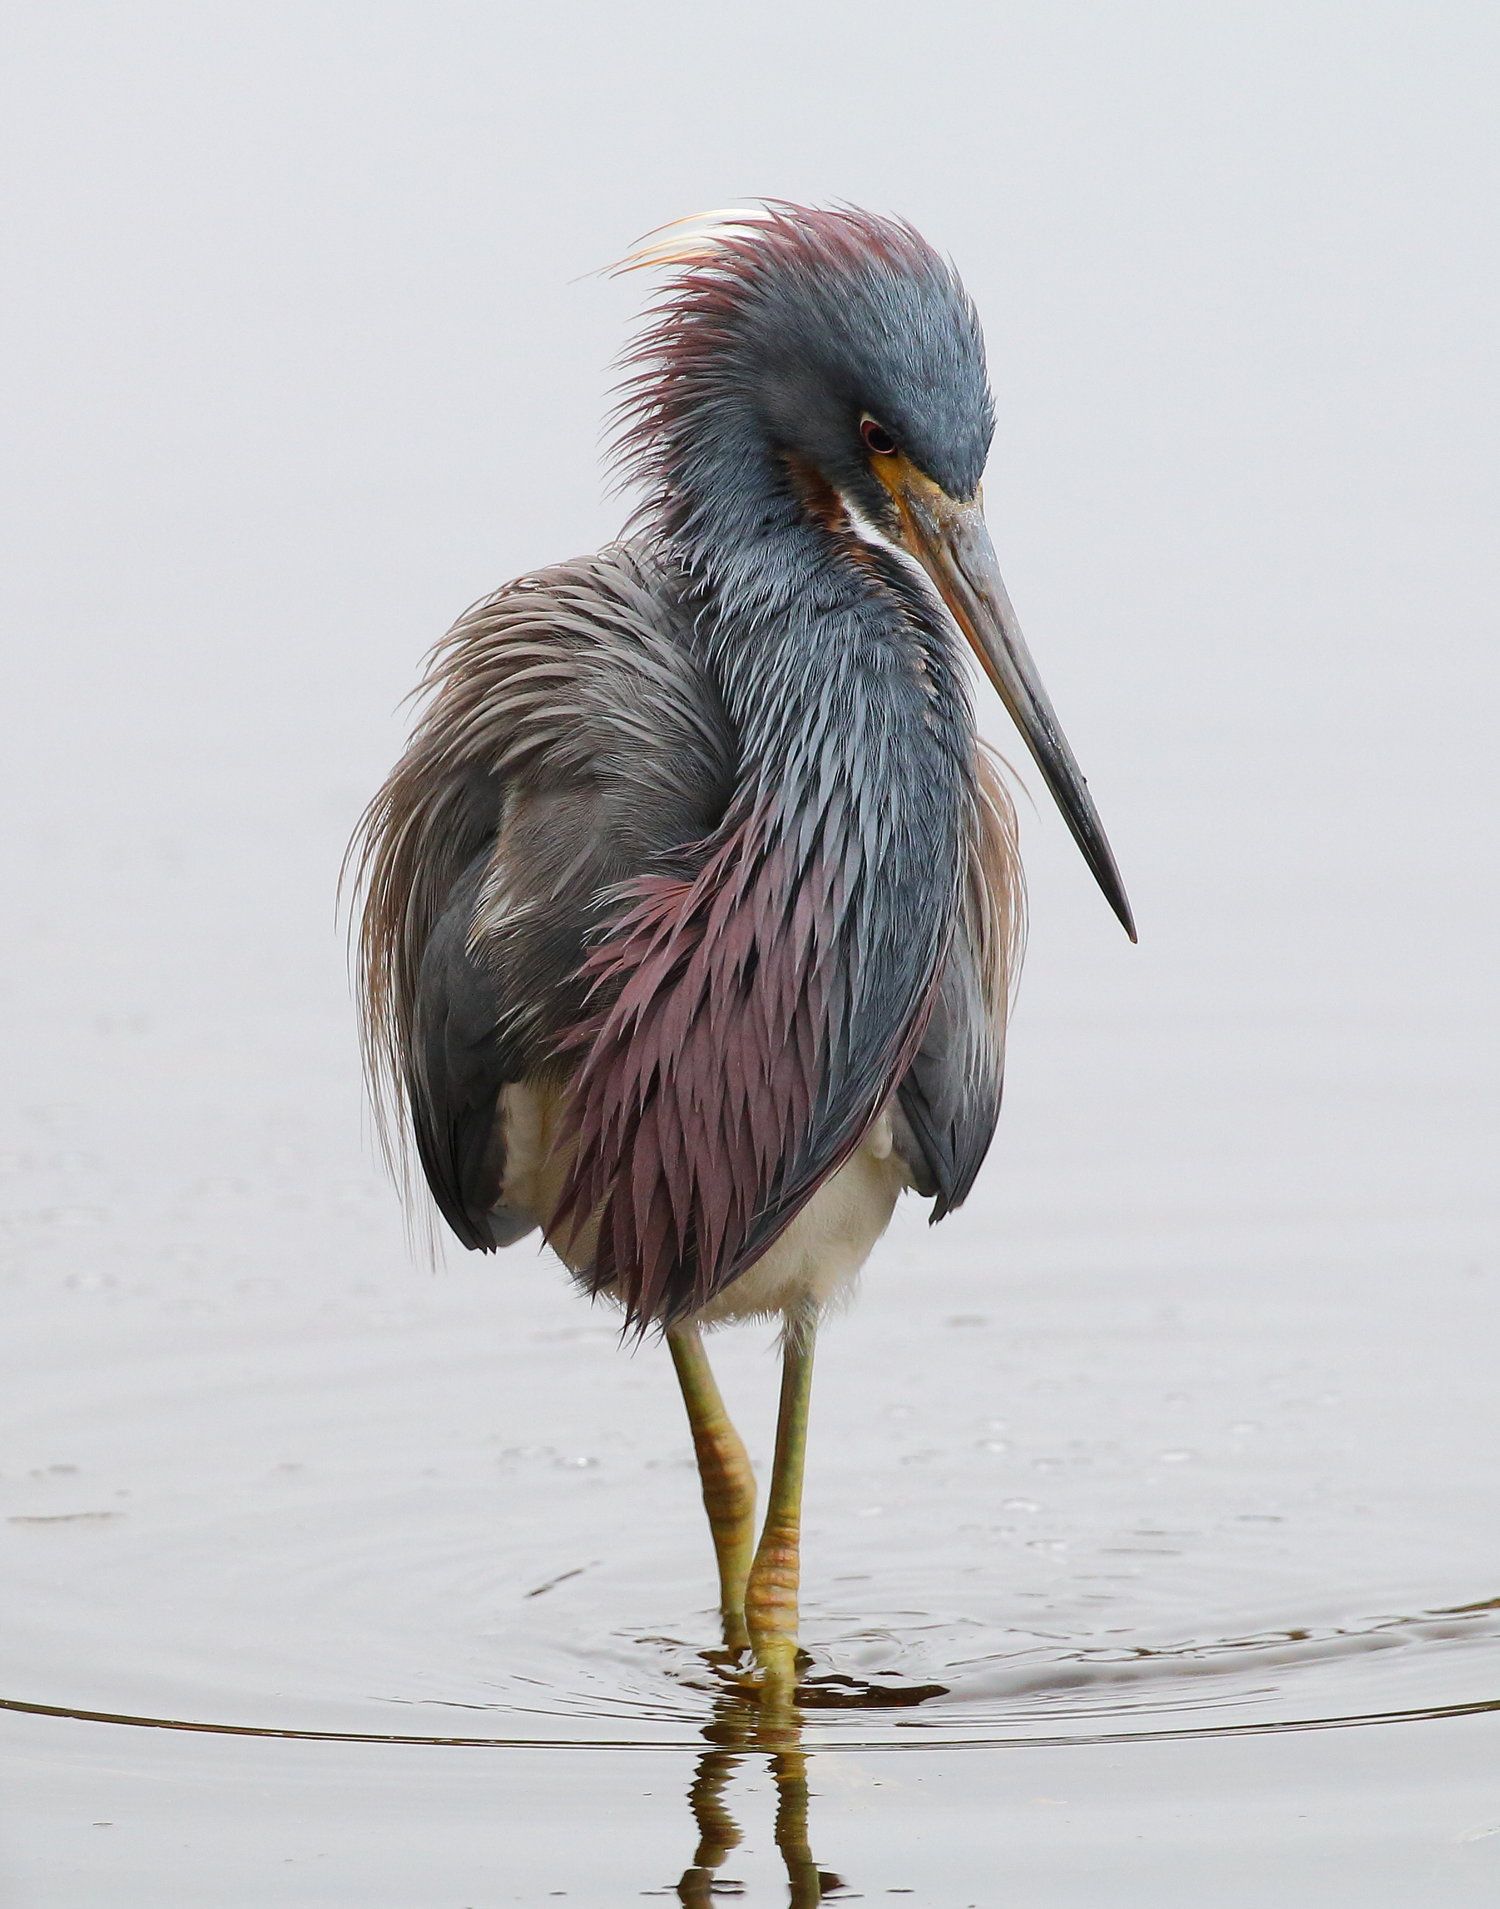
point(688, 241)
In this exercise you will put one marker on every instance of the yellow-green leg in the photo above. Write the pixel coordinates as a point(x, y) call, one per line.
point(771, 1593)
point(728, 1482)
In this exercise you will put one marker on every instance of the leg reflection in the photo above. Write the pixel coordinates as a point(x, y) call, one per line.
point(718, 1833)
point(806, 1882)
point(740, 1732)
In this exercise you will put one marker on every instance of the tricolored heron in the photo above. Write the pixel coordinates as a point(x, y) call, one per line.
point(692, 908)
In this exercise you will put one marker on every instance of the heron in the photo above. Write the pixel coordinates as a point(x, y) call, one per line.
point(691, 912)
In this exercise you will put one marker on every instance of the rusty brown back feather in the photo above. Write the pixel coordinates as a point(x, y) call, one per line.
point(995, 890)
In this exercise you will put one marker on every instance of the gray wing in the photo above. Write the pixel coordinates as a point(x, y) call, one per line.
point(456, 1066)
point(568, 742)
point(949, 1101)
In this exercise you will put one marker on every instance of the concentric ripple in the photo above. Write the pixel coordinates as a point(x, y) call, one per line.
point(355, 1538)
point(343, 1644)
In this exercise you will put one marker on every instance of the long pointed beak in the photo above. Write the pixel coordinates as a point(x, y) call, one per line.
point(952, 543)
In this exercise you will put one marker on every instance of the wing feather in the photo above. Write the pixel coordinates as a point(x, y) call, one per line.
point(566, 741)
point(949, 1100)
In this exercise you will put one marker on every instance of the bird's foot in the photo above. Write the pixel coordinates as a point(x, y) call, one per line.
point(777, 1681)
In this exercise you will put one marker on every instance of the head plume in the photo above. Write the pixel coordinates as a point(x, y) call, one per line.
point(779, 328)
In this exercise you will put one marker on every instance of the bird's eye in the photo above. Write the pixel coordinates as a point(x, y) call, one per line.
point(877, 438)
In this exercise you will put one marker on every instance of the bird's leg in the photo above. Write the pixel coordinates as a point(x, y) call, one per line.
point(728, 1482)
point(771, 1593)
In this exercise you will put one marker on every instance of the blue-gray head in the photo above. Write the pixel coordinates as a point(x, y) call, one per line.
point(788, 343)
point(825, 370)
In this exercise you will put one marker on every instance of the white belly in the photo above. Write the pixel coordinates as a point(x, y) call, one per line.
point(813, 1264)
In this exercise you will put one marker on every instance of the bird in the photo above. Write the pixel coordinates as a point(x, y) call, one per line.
point(690, 916)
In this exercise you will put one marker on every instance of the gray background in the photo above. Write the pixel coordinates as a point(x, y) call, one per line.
point(298, 362)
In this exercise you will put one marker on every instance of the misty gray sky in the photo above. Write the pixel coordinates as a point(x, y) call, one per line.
point(301, 355)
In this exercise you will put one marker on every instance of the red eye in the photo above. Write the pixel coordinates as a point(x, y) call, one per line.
point(877, 438)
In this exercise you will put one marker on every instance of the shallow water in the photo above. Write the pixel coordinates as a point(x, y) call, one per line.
point(329, 1580)
point(1152, 1549)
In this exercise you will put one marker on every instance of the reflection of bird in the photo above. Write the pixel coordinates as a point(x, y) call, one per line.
point(739, 1732)
point(691, 908)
